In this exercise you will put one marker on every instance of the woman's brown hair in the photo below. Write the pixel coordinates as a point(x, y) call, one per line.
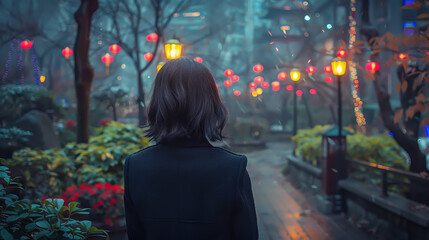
point(185, 103)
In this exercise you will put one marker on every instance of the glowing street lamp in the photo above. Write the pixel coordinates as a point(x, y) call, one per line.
point(159, 66)
point(339, 68)
point(295, 75)
point(173, 49)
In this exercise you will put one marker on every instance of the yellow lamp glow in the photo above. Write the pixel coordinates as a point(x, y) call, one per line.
point(159, 66)
point(259, 91)
point(338, 66)
point(173, 49)
point(42, 78)
point(254, 93)
point(295, 74)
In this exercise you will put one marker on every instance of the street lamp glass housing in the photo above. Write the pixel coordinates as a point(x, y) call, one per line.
point(295, 74)
point(159, 66)
point(338, 67)
point(173, 49)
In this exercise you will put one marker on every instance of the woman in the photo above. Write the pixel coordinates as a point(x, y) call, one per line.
point(183, 187)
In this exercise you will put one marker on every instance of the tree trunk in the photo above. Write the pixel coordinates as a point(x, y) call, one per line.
point(84, 73)
point(283, 112)
point(115, 118)
point(307, 110)
point(406, 141)
point(141, 101)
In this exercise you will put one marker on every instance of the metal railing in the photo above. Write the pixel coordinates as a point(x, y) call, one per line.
point(417, 183)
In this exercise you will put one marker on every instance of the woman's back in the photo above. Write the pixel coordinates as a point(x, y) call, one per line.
point(189, 190)
point(183, 188)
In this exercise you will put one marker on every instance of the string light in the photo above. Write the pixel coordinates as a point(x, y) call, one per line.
point(360, 119)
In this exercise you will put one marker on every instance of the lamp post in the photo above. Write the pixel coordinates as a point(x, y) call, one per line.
point(295, 75)
point(339, 68)
point(173, 49)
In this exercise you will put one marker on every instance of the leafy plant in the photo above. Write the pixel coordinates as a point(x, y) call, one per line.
point(18, 100)
point(50, 172)
point(14, 133)
point(46, 172)
point(102, 159)
point(380, 149)
point(21, 219)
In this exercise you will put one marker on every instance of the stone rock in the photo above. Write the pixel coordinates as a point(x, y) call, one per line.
point(41, 126)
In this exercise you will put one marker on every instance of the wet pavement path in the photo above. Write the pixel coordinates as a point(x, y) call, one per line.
point(283, 211)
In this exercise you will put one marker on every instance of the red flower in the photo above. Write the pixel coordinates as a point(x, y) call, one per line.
point(108, 221)
point(105, 122)
point(91, 191)
point(71, 125)
point(73, 199)
point(116, 187)
point(76, 194)
point(112, 201)
point(44, 198)
point(107, 186)
point(98, 186)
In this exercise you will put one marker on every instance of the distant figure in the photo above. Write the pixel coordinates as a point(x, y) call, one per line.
point(183, 187)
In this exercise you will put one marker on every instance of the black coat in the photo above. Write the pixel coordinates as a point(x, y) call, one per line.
point(188, 190)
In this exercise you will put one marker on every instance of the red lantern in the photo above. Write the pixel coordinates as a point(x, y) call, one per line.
point(252, 90)
point(253, 85)
point(237, 93)
point(327, 69)
point(282, 76)
point(114, 49)
point(228, 72)
point(328, 79)
point(148, 56)
point(26, 44)
point(313, 91)
point(258, 79)
point(289, 87)
point(67, 52)
point(227, 83)
point(275, 84)
point(372, 67)
point(276, 89)
point(265, 84)
point(258, 68)
point(299, 93)
point(310, 70)
point(402, 56)
point(152, 37)
point(198, 59)
point(235, 78)
point(341, 54)
point(107, 59)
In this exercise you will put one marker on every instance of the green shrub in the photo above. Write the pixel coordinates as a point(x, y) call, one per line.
point(17, 100)
point(21, 219)
point(380, 149)
point(50, 172)
point(248, 129)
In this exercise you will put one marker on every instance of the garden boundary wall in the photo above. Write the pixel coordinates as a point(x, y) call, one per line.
point(392, 217)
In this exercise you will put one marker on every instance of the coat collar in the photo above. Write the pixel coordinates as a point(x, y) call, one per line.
point(186, 142)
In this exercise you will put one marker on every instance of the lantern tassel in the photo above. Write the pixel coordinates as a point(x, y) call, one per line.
point(107, 70)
